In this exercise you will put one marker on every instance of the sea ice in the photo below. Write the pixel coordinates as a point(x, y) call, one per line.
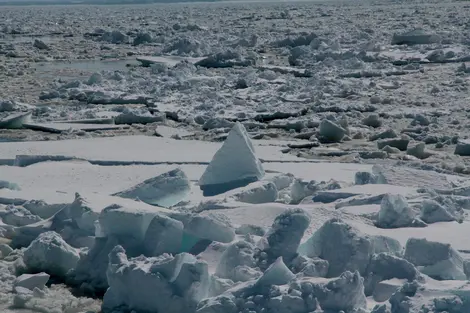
point(343, 293)
point(343, 246)
point(237, 262)
point(433, 212)
point(234, 164)
point(51, 254)
point(164, 235)
point(285, 235)
point(164, 190)
point(276, 274)
point(32, 281)
point(394, 212)
point(435, 259)
point(262, 192)
point(330, 131)
point(384, 266)
point(18, 216)
point(182, 281)
point(210, 227)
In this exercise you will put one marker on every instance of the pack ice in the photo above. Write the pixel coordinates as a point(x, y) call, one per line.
point(234, 165)
point(294, 157)
point(256, 242)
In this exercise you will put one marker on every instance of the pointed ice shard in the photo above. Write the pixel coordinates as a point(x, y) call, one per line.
point(234, 164)
point(277, 274)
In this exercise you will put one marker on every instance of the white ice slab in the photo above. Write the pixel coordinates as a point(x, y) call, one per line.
point(90, 121)
point(167, 132)
point(285, 69)
point(61, 127)
point(143, 149)
point(15, 120)
point(72, 176)
point(169, 60)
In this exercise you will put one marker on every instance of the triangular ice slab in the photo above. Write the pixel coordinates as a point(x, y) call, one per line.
point(233, 165)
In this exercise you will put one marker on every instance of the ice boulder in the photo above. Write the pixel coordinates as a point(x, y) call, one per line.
point(462, 148)
point(437, 260)
point(6, 184)
point(5, 250)
point(399, 143)
point(415, 37)
point(285, 235)
point(451, 297)
point(159, 284)
point(83, 213)
point(418, 150)
point(164, 235)
point(384, 266)
point(31, 281)
point(301, 189)
point(135, 117)
point(372, 120)
point(221, 304)
point(282, 181)
point(90, 272)
point(433, 212)
point(237, 262)
point(394, 212)
point(263, 192)
point(381, 308)
point(248, 229)
point(51, 254)
point(122, 221)
point(114, 37)
point(343, 293)
point(401, 300)
point(18, 216)
point(211, 227)
point(343, 246)
point(164, 190)
point(364, 178)
point(330, 131)
point(384, 244)
point(234, 164)
point(23, 236)
point(219, 285)
point(304, 266)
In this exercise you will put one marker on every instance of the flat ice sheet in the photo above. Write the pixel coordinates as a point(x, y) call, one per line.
point(133, 149)
point(78, 176)
point(61, 127)
point(169, 60)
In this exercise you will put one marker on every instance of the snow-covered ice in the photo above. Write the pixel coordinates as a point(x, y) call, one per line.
point(226, 157)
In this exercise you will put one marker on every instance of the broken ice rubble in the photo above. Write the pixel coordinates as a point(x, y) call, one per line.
point(147, 285)
point(149, 253)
